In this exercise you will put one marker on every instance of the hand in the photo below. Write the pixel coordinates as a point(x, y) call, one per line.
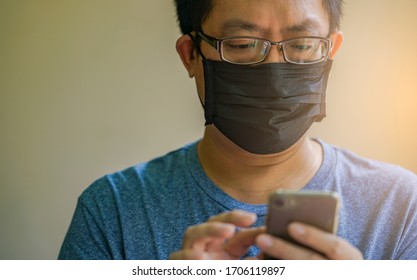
point(218, 238)
point(326, 245)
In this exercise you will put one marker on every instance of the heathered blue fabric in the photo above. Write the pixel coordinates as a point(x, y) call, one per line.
point(142, 212)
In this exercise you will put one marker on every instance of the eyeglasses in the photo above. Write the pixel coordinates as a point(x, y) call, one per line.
point(248, 50)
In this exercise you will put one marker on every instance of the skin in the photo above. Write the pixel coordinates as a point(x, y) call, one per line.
point(247, 177)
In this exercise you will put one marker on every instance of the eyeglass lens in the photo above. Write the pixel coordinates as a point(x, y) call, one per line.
point(252, 50)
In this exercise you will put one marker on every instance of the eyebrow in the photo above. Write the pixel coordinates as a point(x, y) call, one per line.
point(308, 25)
point(232, 26)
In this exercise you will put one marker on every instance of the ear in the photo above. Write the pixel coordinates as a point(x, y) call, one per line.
point(337, 39)
point(186, 51)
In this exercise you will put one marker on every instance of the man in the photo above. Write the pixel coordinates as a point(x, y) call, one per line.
point(261, 68)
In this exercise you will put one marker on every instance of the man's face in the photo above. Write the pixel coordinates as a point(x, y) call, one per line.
point(275, 20)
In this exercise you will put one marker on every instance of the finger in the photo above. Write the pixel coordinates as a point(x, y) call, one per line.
point(284, 250)
point(237, 217)
point(328, 244)
point(187, 255)
point(199, 236)
point(238, 245)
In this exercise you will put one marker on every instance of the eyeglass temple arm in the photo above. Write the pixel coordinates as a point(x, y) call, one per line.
point(197, 45)
point(211, 41)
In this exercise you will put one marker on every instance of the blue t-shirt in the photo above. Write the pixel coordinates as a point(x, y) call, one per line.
point(142, 212)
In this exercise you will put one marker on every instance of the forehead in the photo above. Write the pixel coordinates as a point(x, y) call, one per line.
point(267, 17)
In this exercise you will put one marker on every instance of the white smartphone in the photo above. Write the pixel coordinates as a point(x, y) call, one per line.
point(319, 209)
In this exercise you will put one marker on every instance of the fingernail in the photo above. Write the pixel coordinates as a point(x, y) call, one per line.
point(254, 217)
point(264, 241)
point(249, 217)
point(297, 229)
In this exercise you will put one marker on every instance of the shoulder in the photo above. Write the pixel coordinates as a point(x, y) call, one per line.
point(350, 159)
point(138, 179)
point(356, 166)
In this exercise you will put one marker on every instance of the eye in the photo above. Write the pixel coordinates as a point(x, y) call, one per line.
point(243, 49)
point(240, 44)
point(301, 47)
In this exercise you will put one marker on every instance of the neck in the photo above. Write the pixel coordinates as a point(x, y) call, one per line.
point(251, 178)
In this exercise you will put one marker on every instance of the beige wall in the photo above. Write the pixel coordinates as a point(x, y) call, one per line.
point(372, 96)
point(88, 87)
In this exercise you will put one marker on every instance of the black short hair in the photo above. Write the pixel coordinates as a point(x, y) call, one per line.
point(192, 13)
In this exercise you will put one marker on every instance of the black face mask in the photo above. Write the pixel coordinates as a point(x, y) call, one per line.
point(265, 108)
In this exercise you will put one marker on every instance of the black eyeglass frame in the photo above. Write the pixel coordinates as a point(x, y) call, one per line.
point(217, 44)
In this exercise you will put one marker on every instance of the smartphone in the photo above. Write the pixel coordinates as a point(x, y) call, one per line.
point(316, 208)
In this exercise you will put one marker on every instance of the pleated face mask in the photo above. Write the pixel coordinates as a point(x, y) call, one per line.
point(264, 108)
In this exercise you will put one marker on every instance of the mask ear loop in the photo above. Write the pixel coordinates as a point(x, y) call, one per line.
point(208, 81)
